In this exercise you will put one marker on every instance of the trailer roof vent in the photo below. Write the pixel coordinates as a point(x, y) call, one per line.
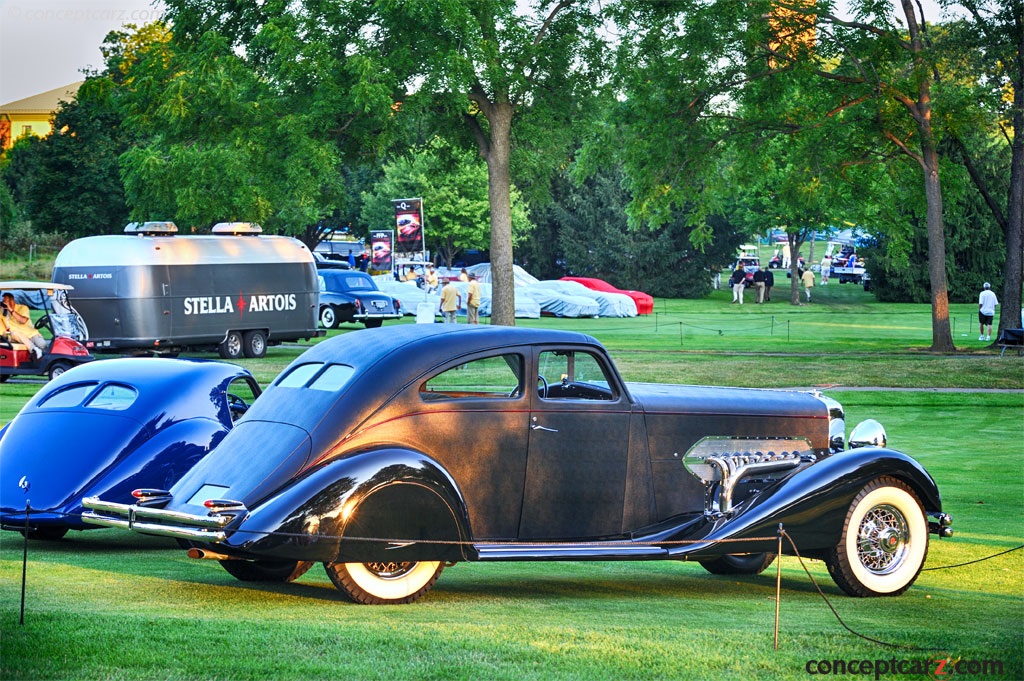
point(237, 228)
point(151, 228)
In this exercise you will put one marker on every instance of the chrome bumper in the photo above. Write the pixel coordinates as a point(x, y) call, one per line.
point(157, 521)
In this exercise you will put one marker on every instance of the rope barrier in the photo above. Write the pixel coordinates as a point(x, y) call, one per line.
point(778, 574)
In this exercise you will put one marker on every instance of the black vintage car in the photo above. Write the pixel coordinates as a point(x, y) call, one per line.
point(387, 453)
point(351, 296)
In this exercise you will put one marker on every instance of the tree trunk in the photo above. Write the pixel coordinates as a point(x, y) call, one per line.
point(942, 337)
point(503, 306)
point(1013, 268)
point(794, 268)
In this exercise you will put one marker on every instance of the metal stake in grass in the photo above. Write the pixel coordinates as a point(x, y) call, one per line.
point(24, 560)
point(778, 585)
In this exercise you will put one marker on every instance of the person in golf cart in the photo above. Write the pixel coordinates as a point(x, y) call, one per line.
point(18, 328)
point(23, 349)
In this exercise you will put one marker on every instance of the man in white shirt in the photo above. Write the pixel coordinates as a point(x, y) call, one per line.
point(987, 302)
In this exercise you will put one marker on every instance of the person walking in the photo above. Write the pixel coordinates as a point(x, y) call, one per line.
point(987, 303)
point(808, 281)
point(738, 281)
point(473, 301)
point(769, 281)
point(451, 301)
point(826, 269)
point(759, 277)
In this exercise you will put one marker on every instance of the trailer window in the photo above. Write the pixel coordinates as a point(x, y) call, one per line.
point(114, 397)
point(68, 397)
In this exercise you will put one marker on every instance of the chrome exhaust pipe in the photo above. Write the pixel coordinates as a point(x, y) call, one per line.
point(203, 554)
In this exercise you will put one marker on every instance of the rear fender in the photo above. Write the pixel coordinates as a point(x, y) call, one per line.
point(811, 505)
point(379, 505)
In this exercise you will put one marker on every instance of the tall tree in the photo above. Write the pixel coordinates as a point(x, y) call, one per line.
point(506, 77)
point(68, 182)
point(453, 185)
point(991, 56)
point(685, 70)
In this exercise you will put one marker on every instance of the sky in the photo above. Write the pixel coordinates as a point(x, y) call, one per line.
point(45, 44)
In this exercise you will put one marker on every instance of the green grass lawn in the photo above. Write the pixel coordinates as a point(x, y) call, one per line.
point(108, 604)
point(111, 605)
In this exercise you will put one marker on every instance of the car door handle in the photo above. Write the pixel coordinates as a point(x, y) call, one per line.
point(537, 426)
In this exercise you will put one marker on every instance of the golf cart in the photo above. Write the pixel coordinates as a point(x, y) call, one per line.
point(61, 320)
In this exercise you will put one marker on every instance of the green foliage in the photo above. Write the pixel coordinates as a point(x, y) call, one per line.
point(975, 247)
point(588, 235)
point(453, 185)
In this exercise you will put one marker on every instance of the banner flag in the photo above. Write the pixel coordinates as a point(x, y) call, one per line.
point(409, 221)
point(381, 245)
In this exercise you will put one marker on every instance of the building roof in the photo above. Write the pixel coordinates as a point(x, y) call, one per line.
point(42, 103)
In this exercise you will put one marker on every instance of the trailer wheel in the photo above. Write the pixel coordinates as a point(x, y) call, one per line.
point(254, 344)
point(231, 347)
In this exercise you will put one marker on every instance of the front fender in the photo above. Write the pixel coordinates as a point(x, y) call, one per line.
point(812, 504)
point(379, 505)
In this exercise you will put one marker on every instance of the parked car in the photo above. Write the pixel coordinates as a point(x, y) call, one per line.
point(350, 296)
point(644, 301)
point(64, 326)
point(388, 453)
point(108, 428)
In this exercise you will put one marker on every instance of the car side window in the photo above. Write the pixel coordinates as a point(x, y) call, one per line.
point(114, 397)
point(572, 375)
point(487, 377)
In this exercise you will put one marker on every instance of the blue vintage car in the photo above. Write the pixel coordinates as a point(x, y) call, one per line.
point(108, 428)
point(388, 453)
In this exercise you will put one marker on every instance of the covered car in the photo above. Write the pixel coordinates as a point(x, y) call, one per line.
point(644, 301)
point(351, 296)
point(387, 454)
point(108, 428)
point(609, 304)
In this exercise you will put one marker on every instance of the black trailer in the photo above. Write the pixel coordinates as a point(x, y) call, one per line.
point(235, 291)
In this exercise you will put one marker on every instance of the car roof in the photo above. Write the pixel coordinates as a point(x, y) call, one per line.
point(427, 344)
point(185, 383)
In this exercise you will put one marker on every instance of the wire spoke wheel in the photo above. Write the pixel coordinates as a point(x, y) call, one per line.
point(884, 541)
point(388, 582)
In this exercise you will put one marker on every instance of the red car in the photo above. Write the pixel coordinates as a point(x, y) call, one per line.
point(644, 302)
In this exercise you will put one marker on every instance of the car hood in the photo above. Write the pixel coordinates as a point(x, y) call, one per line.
point(255, 459)
point(58, 461)
point(661, 398)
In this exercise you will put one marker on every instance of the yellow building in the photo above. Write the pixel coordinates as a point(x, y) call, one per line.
point(32, 115)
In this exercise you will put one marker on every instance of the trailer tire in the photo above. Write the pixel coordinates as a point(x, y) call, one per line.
point(231, 347)
point(254, 344)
